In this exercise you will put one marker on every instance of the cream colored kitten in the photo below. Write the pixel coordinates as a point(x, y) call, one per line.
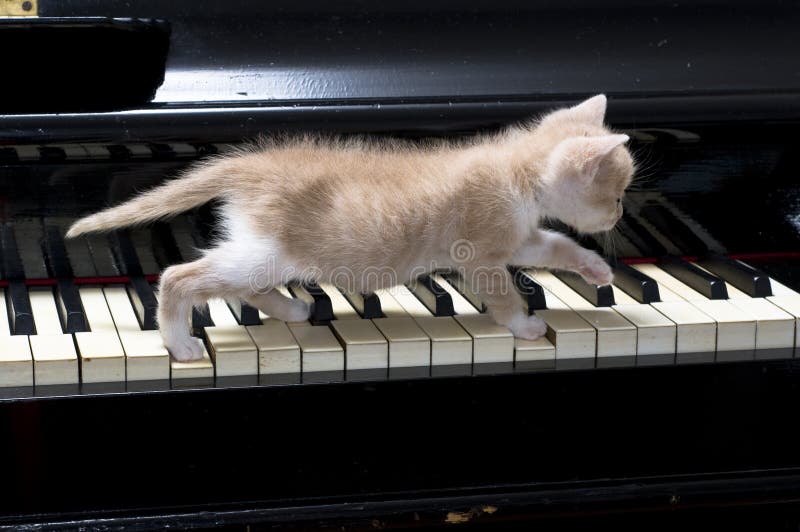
point(352, 211)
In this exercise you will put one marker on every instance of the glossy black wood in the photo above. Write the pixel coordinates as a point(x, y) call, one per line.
point(636, 284)
point(530, 290)
point(599, 296)
point(700, 280)
point(743, 276)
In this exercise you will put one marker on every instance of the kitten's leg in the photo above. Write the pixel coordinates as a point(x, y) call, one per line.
point(549, 249)
point(276, 305)
point(497, 291)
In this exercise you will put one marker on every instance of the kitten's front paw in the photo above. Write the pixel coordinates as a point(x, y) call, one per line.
point(187, 349)
point(298, 311)
point(528, 327)
point(595, 270)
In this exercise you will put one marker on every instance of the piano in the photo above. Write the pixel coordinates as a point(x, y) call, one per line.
point(669, 397)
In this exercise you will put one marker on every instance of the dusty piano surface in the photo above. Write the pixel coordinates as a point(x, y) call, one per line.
point(673, 390)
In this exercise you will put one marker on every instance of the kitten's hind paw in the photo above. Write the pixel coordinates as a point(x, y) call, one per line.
point(595, 270)
point(186, 349)
point(528, 327)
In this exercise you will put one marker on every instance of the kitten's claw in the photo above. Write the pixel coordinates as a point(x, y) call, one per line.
point(528, 327)
point(186, 349)
point(595, 270)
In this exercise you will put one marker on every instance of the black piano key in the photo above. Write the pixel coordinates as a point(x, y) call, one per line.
point(20, 312)
point(372, 307)
point(322, 311)
point(144, 301)
point(245, 314)
point(119, 152)
point(442, 304)
point(636, 284)
point(640, 237)
point(599, 296)
point(165, 247)
point(709, 285)
point(140, 291)
point(73, 318)
point(749, 280)
point(162, 152)
point(529, 289)
point(29, 237)
point(8, 156)
point(50, 154)
point(674, 229)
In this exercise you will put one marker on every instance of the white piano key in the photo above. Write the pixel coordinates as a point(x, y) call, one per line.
point(54, 358)
point(231, 348)
point(97, 151)
point(409, 346)
point(139, 151)
point(736, 329)
point(72, 151)
point(146, 358)
point(342, 309)
point(450, 345)
point(616, 337)
point(574, 339)
point(192, 372)
point(183, 150)
point(16, 361)
point(491, 343)
point(27, 152)
point(789, 301)
point(321, 352)
point(775, 328)
point(278, 351)
point(656, 335)
point(100, 349)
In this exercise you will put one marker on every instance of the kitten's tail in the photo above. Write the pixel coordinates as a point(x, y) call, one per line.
point(200, 185)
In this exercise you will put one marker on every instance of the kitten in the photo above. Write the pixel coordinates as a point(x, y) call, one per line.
point(309, 208)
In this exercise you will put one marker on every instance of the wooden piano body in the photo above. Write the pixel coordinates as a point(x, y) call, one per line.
point(709, 94)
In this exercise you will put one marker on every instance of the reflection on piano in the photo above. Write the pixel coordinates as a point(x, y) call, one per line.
point(670, 392)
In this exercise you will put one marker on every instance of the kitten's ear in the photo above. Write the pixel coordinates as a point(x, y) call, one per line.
point(592, 111)
point(584, 155)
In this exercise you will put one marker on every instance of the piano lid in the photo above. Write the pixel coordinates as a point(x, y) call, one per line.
point(241, 67)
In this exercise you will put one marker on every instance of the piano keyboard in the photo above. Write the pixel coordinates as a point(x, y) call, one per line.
point(81, 313)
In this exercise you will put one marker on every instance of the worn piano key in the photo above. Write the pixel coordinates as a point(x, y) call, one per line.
point(599, 296)
point(16, 362)
point(696, 278)
point(69, 302)
point(635, 284)
point(322, 355)
point(434, 297)
point(742, 276)
point(616, 337)
point(450, 345)
point(640, 237)
point(321, 307)
point(29, 238)
point(529, 289)
point(146, 358)
point(279, 356)
point(671, 227)
point(492, 344)
point(231, 348)
point(735, 329)
point(100, 349)
point(54, 358)
point(574, 339)
point(656, 335)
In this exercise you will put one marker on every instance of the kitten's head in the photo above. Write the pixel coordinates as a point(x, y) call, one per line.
point(588, 167)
